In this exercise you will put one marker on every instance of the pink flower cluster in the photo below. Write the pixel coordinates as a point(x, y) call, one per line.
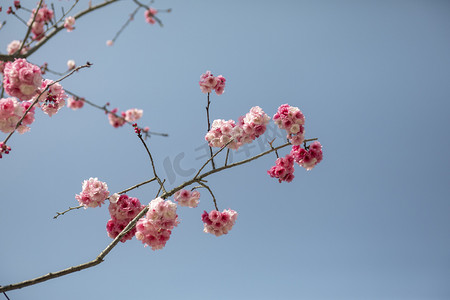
point(156, 227)
point(308, 158)
point(208, 83)
point(219, 223)
point(292, 120)
point(75, 103)
point(283, 169)
point(68, 23)
point(187, 198)
point(250, 126)
point(149, 14)
point(14, 46)
point(11, 111)
point(4, 149)
point(52, 100)
point(130, 115)
point(21, 79)
point(93, 194)
point(122, 212)
point(44, 16)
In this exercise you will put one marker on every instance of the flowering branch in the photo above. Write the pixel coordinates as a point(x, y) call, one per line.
point(29, 27)
point(100, 258)
point(87, 65)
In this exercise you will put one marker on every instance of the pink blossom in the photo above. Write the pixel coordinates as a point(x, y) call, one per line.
point(114, 227)
point(115, 120)
point(43, 16)
point(208, 83)
point(125, 208)
point(308, 158)
point(219, 223)
point(4, 149)
point(109, 43)
point(52, 100)
point(187, 198)
point(156, 227)
point(133, 114)
point(292, 120)
point(222, 132)
point(21, 79)
point(93, 194)
point(283, 169)
point(71, 64)
point(149, 14)
point(11, 111)
point(75, 103)
point(68, 23)
point(14, 46)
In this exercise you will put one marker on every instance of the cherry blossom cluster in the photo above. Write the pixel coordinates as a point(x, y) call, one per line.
point(11, 111)
point(14, 46)
point(156, 227)
point(53, 99)
point(187, 198)
point(250, 126)
point(308, 158)
point(21, 79)
point(43, 17)
point(283, 169)
point(75, 103)
point(4, 149)
point(149, 14)
point(219, 223)
point(208, 83)
point(130, 115)
point(292, 120)
point(122, 210)
point(68, 23)
point(93, 194)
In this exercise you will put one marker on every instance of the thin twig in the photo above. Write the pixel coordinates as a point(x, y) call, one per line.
point(214, 198)
point(131, 18)
point(212, 157)
point(151, 160)
point(226, 158)
point(67, 210)
point(209, 128)
point(103, 108)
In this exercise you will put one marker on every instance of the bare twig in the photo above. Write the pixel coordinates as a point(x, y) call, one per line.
point(67, 210)
point(209, 127)
point(214, 198)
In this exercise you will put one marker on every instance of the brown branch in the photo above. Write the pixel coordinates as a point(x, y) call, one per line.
point(29, 27)
point(209, 128)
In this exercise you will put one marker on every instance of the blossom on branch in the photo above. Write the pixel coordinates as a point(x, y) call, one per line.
point(292, 120)
point(187, 198)
point(155, 228)
point(115, 120)
point(68, 23)
point(133, 114)
point(219, 223)
point(14, 46)
point(308, 158)
point(11, 111)
point(53, 99)
point(93, 194)
point(283, 169)
point(149, 14)
point(75, 103)
point(208, 83)
point(21, 79)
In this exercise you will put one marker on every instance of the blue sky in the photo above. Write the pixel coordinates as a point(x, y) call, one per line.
point(369, 222)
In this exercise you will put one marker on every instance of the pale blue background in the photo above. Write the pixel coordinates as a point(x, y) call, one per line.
point(370, 222)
